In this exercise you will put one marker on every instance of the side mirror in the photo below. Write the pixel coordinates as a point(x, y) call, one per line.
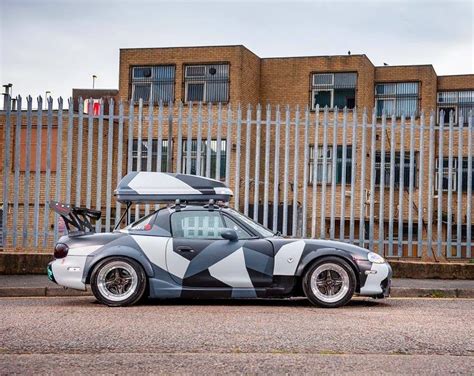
point(229, 234)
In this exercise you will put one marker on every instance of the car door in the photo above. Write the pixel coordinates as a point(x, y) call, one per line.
point(201, 258)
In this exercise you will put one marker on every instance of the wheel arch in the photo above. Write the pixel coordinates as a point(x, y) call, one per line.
point(118, 251)
point(316, 255)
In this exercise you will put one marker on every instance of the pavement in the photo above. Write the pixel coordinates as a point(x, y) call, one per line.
point(39, 285)
point(416, 336)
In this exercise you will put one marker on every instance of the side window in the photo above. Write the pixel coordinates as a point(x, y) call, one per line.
point(241, 233)
point(197, 224)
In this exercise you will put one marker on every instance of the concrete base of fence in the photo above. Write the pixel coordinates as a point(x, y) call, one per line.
point(24, 263)
point(432, 270)
point(35, 263)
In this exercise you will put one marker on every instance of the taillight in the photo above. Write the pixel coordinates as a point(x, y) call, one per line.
point(60, 251)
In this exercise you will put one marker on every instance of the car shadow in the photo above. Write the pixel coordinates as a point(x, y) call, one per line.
point(291, 302)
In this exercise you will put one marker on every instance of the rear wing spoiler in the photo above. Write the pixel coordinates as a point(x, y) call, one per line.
point(78, 218)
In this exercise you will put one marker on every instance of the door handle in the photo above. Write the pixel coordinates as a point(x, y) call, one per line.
point(185, 249)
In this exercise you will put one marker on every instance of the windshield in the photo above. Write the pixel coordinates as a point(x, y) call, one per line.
point(257, 227)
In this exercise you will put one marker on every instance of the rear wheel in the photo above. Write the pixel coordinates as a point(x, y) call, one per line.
point(118, 281)
point(330, 282)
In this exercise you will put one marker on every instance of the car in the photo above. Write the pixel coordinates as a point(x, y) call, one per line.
point(196, 246)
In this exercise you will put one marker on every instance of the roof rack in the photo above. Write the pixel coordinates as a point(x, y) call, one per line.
point(143, 187)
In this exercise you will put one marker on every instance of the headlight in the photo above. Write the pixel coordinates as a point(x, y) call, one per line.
point(375, 258)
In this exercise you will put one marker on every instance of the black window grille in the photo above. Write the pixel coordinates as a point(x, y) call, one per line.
point(206, 83)
point(153, 83)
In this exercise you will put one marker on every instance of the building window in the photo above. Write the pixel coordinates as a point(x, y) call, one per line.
point(397, 170)
point(397, 98)
point(333, 90)
point(154, 155)
point(203, 158)
point(153, 84)
point(206, 83)
point(444, 184)
point(322, 167)
point(459, 103)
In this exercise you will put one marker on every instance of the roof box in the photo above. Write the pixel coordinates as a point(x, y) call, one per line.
point(165, 187)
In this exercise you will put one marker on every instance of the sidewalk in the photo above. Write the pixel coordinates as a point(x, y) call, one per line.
point(39, 285)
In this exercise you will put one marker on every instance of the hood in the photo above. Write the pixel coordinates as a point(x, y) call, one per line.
point(354, 250)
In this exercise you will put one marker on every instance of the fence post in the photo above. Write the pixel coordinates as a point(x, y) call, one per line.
point(267, 165)
point(285, 172)
point(325, 173)
point(362, 181)
point(26, 202)
point(381, 235)
point(39, 130)
point(315, 171)
point(343, 176)
point(100, 145)
point(247, 160)
point(6, 167)
point(305, 171)
point(276, 171)
point(420, 185)
point(257, 163)
point(48, 172)
point(16, 178)
point(295, 172)
point(459, 187)
point(237, 158)
point(59, 158)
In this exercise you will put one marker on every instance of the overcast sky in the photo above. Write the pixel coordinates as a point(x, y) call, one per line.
point(53, 45)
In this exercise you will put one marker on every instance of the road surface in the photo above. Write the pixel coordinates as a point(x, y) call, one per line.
point(394, 336)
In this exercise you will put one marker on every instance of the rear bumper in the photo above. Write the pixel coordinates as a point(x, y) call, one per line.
point(67, 272)
point(49, 270)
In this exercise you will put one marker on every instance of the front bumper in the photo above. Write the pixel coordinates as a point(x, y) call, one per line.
point(375, 279)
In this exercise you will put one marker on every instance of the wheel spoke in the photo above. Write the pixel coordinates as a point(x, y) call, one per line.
point(330, 290)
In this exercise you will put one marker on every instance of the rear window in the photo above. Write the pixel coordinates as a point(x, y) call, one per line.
point(143, 224)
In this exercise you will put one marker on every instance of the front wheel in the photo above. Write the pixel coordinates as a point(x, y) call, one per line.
point(118, 281)
point(330, 283)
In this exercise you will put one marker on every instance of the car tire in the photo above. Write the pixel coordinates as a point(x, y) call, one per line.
point(118, 282)
point(329, 282)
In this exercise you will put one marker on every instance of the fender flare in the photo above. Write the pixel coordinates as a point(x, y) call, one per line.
point(313, 255)
point(120, 251)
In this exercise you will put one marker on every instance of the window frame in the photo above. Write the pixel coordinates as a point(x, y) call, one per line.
point(324, 87)
point(329, 163)
point(313, 104)
point(205, 64)
point(456, 103)
point(445, 174)
point(406, 169)
point(396, 96)
point(154, 155)
point(204, 156)
point(186, 90)
point(131, 89)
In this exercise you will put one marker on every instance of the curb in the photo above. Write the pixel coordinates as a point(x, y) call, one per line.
point(17, 292)
point(396, 292)
point(407, 292)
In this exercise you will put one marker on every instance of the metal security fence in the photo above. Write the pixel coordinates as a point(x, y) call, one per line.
point(399, 185)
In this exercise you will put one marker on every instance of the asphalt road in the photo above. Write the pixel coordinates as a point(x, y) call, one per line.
point(395, 336)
